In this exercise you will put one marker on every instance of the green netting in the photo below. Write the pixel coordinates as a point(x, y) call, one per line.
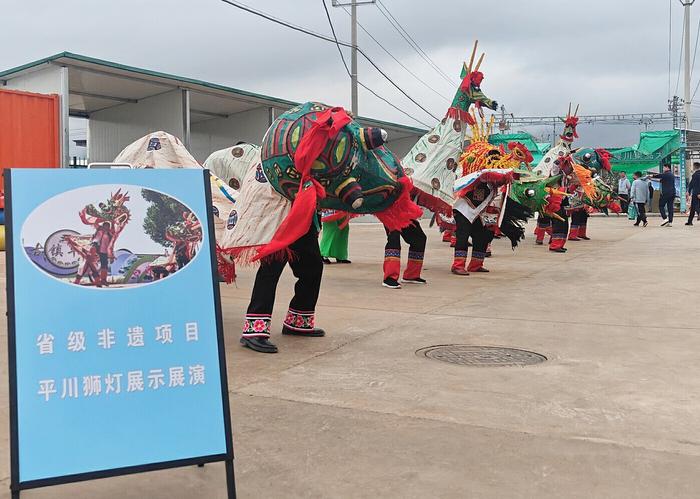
point(662, 142)
point(536, 149)
point(647, 155)
point(543, 146)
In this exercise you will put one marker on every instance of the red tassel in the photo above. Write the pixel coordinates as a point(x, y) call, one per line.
point(432, 203)
point(554, 202)
point(225, 264)
point(403, 211)
point(605, 157)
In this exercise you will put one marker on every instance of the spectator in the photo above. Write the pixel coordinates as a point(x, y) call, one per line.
point(639, 194)
point(623, 190)
point(651, 195)
point(694, 193)
point(668, 194)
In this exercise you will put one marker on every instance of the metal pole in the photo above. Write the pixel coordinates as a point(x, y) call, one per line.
point(353, 59)
point(65, 118)
point(682, 168)
point(686, 95)
point(186, 131)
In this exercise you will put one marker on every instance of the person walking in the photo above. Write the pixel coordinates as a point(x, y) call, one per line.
point(651, 195)
point(639, 194)
point(668, 194)
point(694, 193)
point(623, 190)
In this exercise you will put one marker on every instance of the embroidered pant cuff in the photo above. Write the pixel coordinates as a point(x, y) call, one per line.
point(299, 320)
point(256, 326)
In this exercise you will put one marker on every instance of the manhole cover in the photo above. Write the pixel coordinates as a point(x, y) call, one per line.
point(480, 356)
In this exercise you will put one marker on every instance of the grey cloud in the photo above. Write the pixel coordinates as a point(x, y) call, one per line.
point(611, 56)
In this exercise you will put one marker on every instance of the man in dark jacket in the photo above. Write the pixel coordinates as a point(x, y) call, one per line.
point(694, 193)
point(668, 194)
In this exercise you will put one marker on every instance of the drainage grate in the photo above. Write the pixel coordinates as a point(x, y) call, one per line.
point(481, 356)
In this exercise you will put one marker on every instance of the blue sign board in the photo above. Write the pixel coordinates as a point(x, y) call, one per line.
point(116, 343)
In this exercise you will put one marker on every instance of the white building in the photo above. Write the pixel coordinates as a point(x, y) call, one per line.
point(123, 103)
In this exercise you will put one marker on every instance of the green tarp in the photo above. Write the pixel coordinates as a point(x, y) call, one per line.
point(647, 155)
point(537, 149)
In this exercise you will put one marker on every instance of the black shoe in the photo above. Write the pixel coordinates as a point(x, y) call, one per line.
point(415, 280)
point(689, 223)
point(488, 254)
point(326, 260)
point(558, 250)
point(340, 260)
point(481, 269)
point(645, 223)
point(539, 243)
point(312, 333)
point(391, 283)
point(636, 225)
point(259, 344)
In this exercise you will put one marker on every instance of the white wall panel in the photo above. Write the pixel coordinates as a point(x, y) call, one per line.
point(401, 146)
point(111, 130)
point(219, 133)
point(46, 80)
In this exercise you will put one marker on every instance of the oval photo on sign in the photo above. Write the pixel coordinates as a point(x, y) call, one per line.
point(111, 236)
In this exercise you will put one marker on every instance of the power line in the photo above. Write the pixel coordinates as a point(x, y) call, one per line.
point(342, 58)
point(409, 39)
point(397, 61)
point(328, 39)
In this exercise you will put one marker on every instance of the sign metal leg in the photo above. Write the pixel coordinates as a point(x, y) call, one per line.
point(230, 480)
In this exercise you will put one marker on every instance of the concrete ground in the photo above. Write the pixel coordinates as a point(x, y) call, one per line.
point(613, 413)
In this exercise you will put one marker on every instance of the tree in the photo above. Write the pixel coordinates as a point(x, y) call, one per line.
point(163, 212)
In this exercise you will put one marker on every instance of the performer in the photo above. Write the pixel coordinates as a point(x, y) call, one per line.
point(101, 241)
point(579, 220)
point(307, 267)
point(558, 161)
point(560, 227)
point(416, 239)
point(277, 219)
point(474, 210)
point(544, 226)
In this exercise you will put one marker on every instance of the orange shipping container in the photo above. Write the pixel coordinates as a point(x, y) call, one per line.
point(29, 131)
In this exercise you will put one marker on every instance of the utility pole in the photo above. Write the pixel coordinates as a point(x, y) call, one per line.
point(353, 41)
point(673, 105)
point(686, 95)
point(353, 58)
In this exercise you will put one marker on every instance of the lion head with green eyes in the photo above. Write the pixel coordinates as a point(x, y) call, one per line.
point(358, 173)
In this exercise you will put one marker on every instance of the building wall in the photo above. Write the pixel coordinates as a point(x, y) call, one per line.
point(111, 130)
point(45, 81)
point(219, 133)
point(49, 79)
point(401, 146)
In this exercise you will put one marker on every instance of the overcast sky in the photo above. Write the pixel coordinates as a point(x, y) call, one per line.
point(611, 56)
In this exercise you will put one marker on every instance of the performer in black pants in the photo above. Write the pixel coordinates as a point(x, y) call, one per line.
point(480, 237)
point(693, 191)
point(560, 229)
point(307, 266)
point(668, 194)
point(416, 239)
point(641, 213)
point(579, 221)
